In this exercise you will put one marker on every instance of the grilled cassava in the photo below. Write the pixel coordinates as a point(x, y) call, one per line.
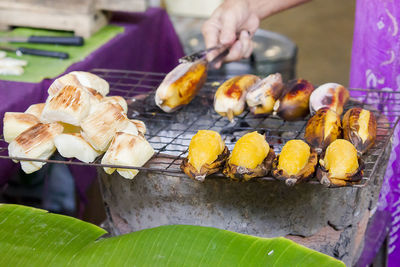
point(36, 142)
point(127, 150)
point(15, 123)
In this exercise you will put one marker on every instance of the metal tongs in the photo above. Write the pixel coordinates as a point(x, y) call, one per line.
point(203, 53)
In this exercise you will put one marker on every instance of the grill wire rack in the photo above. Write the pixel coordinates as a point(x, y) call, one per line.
point(170, 133)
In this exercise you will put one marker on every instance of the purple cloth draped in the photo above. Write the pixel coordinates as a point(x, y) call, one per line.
point(149, 43)
point(376, 65)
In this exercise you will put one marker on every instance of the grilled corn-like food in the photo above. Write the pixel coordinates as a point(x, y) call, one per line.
point(181, 85)
point(322, 129)
point(359, 127)
point(81, 79)
point(330, 95)
point(141, 127)
point(294, 102)
point(36, 142)
point(340, 162)
point(262, 96)
point(251, 157)
point(100, 127)
point(127, 150)
point(297, 162)
point(207, 155)
point(71, 105)
point(230, 98)
point(36, 110)
point(14, 123)
point(72, 145)
point(118, 100)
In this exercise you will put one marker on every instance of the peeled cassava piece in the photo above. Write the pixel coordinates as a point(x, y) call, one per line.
point(359, 127)
point(72, 145)
point(140, 126)
point(35, 110)
point(207, 155)
point(80, 79)
point(329, 95)
point(100, 127)
point(262, 96)
point(294, 103)
point(296, 163)
point(181, 85)
point(14, 123)
point(340, 165)
point(36, 142)
point(127, 150)
point(71, 105)
point(322, 129)
point(118, 100)
point(251, 157)
point(230, 98)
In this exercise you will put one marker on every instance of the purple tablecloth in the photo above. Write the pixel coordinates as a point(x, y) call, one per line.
point(376, 65)
point(149, 43)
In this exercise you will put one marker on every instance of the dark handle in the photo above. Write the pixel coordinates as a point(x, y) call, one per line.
point(43, 53)
point(71, 40)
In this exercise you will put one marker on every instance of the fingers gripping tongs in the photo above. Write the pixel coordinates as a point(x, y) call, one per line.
point(203, 53)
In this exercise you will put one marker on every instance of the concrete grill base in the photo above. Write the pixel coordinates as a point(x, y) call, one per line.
point(332, 221)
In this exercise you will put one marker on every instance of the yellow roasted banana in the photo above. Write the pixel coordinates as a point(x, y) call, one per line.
point(230, 98)
point(181, 85)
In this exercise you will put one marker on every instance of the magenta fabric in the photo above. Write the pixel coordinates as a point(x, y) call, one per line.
point(376, 65)
point(149, 43)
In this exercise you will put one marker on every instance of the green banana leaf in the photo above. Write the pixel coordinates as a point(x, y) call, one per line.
point(33, 237)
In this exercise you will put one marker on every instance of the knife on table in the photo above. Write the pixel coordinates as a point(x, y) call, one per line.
point(35, 52)
point(59, 40)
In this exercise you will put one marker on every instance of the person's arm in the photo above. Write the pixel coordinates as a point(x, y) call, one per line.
point(242, 18)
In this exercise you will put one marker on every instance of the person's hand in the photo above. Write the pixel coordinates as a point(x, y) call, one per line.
point(232, 23)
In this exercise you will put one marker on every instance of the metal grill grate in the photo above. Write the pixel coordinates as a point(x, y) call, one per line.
point(170, 134)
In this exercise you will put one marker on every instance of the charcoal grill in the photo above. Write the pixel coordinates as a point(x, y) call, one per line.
point(170, 133)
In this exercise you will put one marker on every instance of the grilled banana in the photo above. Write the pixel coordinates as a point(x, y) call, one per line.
point(251, 157)
point(230, 98)
point(207, 155)
point(262, 96)
point(294, 103)
point(330, 95)
point(322, 129)
point(181, 85)
point(359, 127)
point(297, 162)
point(340, 165)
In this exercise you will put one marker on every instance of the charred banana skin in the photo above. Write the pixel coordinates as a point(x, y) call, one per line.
point(175, 92)
point(351, 178)
point(304, 175)
point(331, 95)
point(294, 103)
point(351, 127)
point(315, 130)
point(240, 174)
point(206, 169)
